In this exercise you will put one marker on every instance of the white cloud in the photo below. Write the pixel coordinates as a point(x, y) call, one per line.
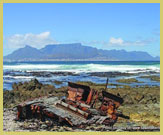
point(34, 40)
point(118, 41)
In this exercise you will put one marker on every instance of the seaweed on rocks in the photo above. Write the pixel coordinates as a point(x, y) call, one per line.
point(29, 90)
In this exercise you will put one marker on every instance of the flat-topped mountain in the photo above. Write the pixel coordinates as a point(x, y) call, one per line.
point(76, 51)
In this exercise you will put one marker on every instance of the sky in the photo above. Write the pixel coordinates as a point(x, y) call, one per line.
point(132, 27)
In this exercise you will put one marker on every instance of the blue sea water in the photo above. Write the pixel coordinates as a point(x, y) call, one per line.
point(23, 71)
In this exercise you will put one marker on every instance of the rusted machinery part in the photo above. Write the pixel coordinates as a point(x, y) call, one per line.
point(81, 93)
point(74, 110)
point(78, 109)
point(59, 113)
point(62, 113)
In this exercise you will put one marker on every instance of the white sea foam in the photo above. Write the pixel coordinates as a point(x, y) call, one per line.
point(29, 66)
point(18, 77)
point(82, 68)
point(23, 77)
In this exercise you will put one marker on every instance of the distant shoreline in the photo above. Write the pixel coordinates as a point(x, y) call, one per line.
point(80, 60)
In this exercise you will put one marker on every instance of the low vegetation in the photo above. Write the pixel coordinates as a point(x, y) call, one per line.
point(141, 103)
point(130, 80)
point(152, 78)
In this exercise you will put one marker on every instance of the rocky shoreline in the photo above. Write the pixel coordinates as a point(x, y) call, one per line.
point(141, 103)
point(35, 125)
point(59, 79)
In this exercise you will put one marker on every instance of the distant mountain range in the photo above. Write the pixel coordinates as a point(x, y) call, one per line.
point(76, 52)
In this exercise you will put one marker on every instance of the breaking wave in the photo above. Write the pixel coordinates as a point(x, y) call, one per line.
point(82, 68)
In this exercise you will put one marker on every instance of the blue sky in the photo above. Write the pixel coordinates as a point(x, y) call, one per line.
point(133, 27)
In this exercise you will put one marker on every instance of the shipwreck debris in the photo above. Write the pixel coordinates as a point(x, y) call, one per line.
point(78, 109)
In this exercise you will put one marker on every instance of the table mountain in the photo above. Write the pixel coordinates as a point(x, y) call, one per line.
point(76, 51)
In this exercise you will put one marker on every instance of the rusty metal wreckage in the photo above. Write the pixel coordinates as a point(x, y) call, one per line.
point(77, 110)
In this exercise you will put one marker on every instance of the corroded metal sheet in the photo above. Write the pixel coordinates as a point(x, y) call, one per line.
point(76, 110)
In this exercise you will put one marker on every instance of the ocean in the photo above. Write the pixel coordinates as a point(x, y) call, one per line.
point(48, 72)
